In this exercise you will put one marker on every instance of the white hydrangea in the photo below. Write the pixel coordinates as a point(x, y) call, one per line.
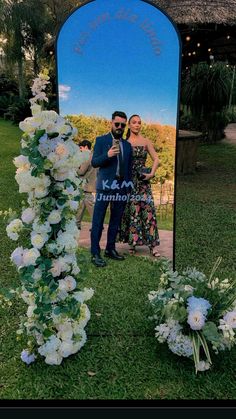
point(53, 358)
point(54, 217)
point(162, 332)
point(182, 345)
point(67, 284)
point(67, 241)
point(66, 348)
point(28, 215)
point(65, 331)
point(14, 228)
point(81, 334)
point(84, 295)
point(52, 345)
point(41, 228)
point(84, 316)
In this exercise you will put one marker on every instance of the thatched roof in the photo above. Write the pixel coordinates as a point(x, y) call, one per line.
point(199, 11)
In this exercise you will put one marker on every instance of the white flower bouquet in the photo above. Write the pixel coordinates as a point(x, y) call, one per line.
point(49, 273)
point(195, 315)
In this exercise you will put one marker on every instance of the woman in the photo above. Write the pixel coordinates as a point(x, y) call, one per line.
point(139, 223)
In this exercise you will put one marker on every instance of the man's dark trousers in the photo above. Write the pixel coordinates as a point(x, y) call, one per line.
point(117, 200)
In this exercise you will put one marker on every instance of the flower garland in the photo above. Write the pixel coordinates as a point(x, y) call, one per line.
point(195, 315)
point(46, 170)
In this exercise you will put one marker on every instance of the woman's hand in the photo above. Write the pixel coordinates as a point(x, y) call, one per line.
point(148, 176)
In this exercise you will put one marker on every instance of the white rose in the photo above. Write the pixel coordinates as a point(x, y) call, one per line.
point(14, 228)
point(17, 256)
point(30, 256)
point(38, 240)
point(22, 161)
point(54, 217)
point(40, 192)
point(230, 319)
point(61, 150)
point(196, 320)
point(28, 215)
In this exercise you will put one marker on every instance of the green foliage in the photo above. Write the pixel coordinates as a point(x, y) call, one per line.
point(205, 91)
point(17, 110)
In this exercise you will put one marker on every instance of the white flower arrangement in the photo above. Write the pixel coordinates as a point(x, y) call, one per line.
point(195, 315)
point(47, 170)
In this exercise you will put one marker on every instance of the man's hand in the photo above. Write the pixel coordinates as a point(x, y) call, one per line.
point(113, 151)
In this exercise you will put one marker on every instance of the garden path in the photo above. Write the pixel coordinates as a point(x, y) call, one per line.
point(230, 134)
point(165, 248)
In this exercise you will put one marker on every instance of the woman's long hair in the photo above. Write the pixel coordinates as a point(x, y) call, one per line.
point(128, 132)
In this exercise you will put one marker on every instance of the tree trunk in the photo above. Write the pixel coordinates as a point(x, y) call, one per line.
point(36, 65)
point(21, 81)
point(214, 135)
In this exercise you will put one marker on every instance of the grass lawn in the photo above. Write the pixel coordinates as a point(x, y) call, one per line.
point(121, 353)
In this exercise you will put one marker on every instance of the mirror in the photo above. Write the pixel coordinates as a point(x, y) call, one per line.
point(117, 56)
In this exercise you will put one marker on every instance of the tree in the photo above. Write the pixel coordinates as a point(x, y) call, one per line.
point(206, 91)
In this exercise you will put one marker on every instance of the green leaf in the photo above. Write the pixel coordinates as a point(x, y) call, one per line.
point(57, 310)
point(52, 134)
point(211, 333)
point(47, 333)
point(34, 172)
point(196, 350)
point(205, 347)
point(67, 183)
point(38, 134)
point(25, 151)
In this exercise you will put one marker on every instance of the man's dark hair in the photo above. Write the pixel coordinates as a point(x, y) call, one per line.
point(120, 114)
point(85, 143)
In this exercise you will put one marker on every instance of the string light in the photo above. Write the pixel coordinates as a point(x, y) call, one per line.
point(194, 52)
point(228, 37)
point(198, 44)
point(209, 50)
point(189, 53)
point(188, 38)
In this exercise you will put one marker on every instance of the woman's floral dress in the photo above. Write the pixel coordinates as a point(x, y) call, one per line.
point(139, 224)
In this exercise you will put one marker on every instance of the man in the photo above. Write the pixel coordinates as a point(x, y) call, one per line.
point(112, 186)
point(89, 173)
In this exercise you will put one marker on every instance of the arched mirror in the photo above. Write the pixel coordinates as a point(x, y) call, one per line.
point(118, 55)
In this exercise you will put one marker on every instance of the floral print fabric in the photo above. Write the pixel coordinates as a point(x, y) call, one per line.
point(139, 223)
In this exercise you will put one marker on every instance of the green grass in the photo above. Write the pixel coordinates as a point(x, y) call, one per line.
point(121, 349)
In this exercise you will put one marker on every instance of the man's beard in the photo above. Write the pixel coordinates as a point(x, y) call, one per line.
point(117, 134)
